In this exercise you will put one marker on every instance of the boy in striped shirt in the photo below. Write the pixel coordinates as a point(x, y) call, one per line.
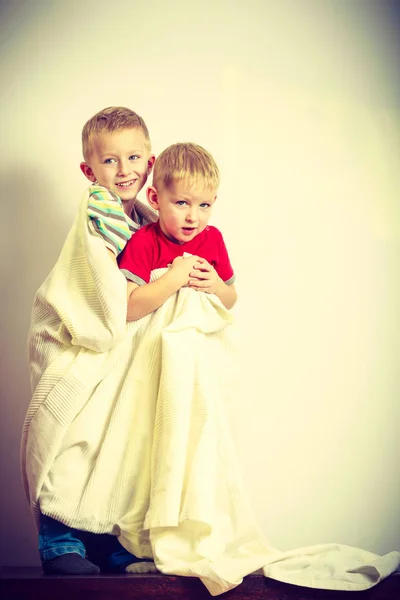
point(117, 160)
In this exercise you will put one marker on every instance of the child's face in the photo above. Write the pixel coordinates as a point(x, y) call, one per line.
point(184, 209)
point(120, 161)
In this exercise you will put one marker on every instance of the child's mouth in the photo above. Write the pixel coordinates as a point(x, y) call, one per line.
point(125, 184)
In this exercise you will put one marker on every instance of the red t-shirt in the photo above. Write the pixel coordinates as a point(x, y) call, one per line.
point(150, 249)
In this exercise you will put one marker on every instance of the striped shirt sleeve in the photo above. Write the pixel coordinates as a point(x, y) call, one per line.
point(107, 219)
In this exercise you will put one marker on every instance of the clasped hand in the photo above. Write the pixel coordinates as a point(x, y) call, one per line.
point(197, 273)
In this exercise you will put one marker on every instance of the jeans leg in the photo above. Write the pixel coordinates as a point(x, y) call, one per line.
point(120, 558)
point(106, 551)
point(56, 539)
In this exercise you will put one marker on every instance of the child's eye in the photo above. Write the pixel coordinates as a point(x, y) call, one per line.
point(109, 161)
point(181, 202)
point(205, 205)
point(134, 157)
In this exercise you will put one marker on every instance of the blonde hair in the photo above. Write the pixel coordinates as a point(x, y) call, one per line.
point(113, 118)
point(185, 161)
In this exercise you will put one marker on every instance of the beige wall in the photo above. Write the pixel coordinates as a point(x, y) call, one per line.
point(300, 110)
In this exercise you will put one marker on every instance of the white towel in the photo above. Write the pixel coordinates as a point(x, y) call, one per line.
point(126, 432)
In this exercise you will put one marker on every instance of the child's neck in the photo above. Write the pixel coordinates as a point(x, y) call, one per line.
point(128, 206)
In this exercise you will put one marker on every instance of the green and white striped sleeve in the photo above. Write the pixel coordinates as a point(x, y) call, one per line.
point(107, 219)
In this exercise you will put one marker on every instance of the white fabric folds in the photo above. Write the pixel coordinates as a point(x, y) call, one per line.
point(126, 432)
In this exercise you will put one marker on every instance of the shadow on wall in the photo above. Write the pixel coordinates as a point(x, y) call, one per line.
point(31, 239)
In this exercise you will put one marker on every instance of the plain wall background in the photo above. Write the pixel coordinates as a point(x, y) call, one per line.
point(298, 102)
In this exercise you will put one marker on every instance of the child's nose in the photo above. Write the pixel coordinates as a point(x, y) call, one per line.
point(192, 215)
point(123, 167)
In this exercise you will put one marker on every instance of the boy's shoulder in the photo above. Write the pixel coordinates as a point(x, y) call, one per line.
point(107, 219)
point(108, 200)
point(213, 232)
point(213, 229)
point(146, 232)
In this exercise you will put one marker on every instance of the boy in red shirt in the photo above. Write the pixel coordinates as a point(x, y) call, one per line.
point(184, 190)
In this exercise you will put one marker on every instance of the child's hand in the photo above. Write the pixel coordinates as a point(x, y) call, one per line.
point(183, 267)
point(204, 278)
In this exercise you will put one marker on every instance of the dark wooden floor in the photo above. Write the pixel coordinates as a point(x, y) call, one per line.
point(30, 584)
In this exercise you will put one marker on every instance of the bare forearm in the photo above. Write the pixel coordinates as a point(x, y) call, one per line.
point(226, 293)
point(147, 298)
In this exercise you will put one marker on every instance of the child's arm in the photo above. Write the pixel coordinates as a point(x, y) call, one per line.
point(106, 218)
point(144, 299)
point(208, 280)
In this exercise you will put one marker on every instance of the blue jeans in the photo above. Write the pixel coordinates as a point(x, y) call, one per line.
point(104, 550)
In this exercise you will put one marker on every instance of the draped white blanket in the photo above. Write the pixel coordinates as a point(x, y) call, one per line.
point(126, 432)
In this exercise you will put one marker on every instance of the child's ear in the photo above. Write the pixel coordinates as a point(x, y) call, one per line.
point(150, 164)
point(152, 197)
point(87, 171)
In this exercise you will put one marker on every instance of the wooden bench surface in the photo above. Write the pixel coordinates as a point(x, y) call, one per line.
point(29, 583)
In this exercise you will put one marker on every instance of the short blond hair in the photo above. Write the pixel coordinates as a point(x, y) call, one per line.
point(185, 161)
point(113, 118)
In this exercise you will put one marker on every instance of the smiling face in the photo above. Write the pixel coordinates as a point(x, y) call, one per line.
point(120, 161)
point(184, 209)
